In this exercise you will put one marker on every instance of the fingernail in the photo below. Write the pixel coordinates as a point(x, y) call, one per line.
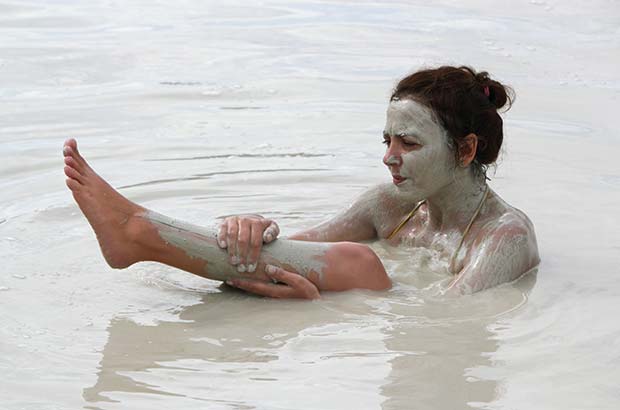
point(222, 243)
point(65, 150)
point(270, 269)
point(269, 237)
point(251, 267)
point(234, 260)
point(241, 268)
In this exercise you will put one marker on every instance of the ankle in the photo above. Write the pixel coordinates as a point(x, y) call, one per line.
point(142, 235)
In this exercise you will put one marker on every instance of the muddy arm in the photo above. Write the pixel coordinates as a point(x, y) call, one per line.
point(363, 220)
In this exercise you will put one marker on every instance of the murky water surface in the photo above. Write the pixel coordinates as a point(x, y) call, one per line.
point(198, 109)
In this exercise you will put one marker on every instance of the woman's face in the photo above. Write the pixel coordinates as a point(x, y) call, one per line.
point(418, 155)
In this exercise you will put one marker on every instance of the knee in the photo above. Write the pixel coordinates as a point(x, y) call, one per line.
point(357, 266)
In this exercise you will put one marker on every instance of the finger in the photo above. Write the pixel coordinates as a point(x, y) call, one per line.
point(271, 233)
point(280, 275)
point(262, 288)
point(256, 244)
point(221, 235)
point(303, 287)
point(232, 231)
point(243, 243)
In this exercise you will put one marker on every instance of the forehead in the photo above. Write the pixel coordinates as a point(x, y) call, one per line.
point(408, 116)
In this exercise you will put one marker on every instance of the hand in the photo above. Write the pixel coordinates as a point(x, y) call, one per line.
point(243, 236)
point(292, 285)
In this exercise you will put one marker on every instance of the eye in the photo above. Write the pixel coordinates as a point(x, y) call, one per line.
point(386, 141)
point(411, 144)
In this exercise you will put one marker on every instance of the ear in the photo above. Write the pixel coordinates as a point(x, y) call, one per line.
point(467, 149)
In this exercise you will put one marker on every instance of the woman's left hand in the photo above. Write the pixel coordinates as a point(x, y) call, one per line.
point(291, 286)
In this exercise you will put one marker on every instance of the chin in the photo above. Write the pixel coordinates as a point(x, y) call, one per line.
point(407, 188)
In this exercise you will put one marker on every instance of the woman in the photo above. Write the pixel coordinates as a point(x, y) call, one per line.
point(441, 133)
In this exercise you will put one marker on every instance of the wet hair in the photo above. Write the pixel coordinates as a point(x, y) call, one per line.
point(460, 100)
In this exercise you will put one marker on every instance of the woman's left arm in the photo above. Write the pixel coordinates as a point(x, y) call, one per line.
point(503, 255)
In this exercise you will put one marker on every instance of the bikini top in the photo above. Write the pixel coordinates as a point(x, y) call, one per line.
point(458, 248)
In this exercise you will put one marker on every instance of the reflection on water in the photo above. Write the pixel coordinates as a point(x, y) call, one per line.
point(394, 351)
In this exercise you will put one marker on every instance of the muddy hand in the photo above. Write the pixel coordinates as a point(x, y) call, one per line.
point(287, 285)
point(243, 236)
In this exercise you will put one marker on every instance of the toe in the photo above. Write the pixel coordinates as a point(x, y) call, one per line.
point(73, 184)
point(73, 163)
point(73, 174)
point(71, 142)
point(70, 150)
point(79, 157)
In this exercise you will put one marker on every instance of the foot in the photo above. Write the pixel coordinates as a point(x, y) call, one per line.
point(115, 219)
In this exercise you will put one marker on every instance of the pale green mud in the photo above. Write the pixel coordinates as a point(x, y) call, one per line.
point(200, 242)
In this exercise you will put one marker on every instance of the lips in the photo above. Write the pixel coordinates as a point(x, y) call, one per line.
point(397, 179)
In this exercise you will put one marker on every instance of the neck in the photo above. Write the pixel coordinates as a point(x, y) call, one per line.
point(453, 206)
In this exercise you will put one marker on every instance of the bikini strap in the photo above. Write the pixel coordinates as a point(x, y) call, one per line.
point(404, 221)
point(471, 222)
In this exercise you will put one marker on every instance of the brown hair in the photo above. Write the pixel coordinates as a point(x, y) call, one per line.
point(464, 102)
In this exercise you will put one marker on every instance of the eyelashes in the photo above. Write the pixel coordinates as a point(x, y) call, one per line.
point(405, 143)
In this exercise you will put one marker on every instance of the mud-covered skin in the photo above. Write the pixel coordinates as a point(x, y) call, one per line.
point(501, 244)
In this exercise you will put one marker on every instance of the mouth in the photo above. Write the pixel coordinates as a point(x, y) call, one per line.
point(397, 179)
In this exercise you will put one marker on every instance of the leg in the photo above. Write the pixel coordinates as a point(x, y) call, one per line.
point(128, 233)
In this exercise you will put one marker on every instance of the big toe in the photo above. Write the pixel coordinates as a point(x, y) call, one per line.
point(72, 143)
point(70, 149)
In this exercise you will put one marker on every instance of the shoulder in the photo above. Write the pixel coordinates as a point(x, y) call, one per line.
point(509, 232)
point(508, 223)
point(504, 249)
point(382, 199)
point(387, 206)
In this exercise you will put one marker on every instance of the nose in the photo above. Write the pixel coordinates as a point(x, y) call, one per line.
point(393, 154)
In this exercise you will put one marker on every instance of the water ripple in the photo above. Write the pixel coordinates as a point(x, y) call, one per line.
point(211, 174)
point(285, 155)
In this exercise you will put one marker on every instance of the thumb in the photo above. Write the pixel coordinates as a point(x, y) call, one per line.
point(271, 233)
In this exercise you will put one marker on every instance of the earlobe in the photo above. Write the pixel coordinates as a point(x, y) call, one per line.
point(467, 149)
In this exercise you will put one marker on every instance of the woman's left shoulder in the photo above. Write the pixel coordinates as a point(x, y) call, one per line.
point(507, 233)
point(504, 249)
point(505, 219)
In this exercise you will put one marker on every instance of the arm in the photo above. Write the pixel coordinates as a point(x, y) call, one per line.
point(349, 265)
point(344, 266)
point(364, 219)
point(504, 254)
point(244, 235)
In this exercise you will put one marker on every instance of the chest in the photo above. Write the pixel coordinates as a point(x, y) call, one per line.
point(449, 244)
point(417, 234)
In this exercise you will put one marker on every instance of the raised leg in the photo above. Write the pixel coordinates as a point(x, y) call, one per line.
point(128, 233)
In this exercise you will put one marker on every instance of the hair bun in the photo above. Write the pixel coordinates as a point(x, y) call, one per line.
point(499, 94)
point(465, 102)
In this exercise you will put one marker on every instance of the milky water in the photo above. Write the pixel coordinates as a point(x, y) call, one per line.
point(198, 109)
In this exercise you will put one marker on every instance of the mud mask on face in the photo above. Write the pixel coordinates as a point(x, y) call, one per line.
point(429, 166)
